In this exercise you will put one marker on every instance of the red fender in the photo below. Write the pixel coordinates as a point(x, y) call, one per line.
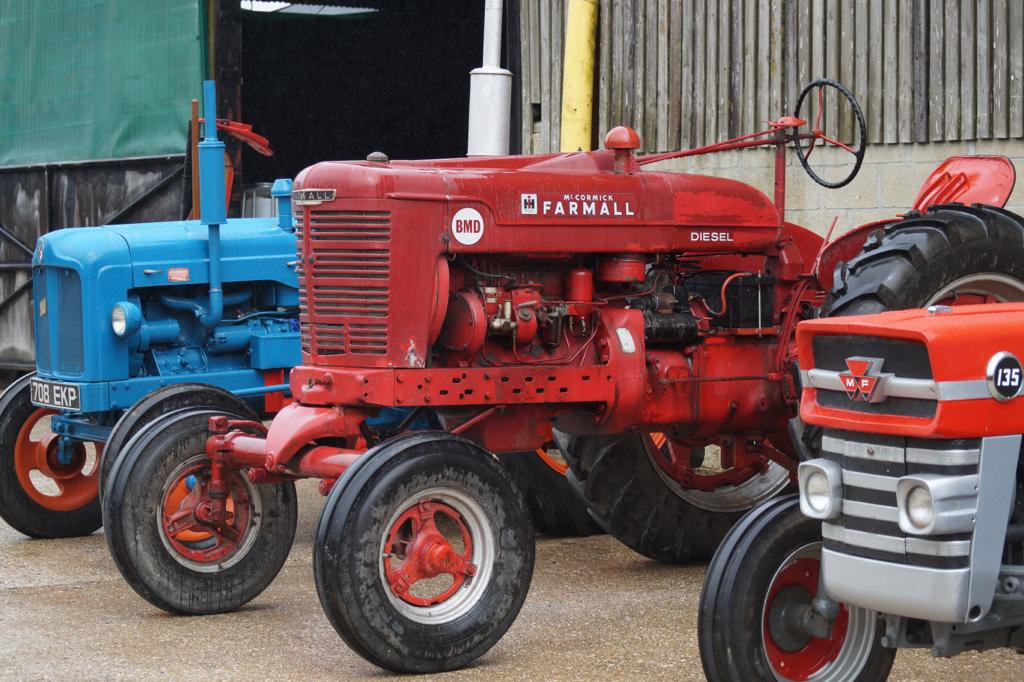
point(963, 179)
point(968, 180)
point(843, 249)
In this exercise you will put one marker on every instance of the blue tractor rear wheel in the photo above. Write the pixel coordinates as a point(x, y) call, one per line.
point(171, 553)
point(162, 402)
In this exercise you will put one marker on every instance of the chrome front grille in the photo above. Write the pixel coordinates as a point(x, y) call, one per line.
point(868, 525)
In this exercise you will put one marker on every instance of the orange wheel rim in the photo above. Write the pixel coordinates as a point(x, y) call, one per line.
point(74, 487)
point(556, 464)
point(173, 503)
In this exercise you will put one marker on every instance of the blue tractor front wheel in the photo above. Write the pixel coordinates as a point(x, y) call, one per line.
point(48, 489)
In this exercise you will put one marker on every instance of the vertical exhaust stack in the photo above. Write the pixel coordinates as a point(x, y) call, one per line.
point(212, 203)
point(490, 92)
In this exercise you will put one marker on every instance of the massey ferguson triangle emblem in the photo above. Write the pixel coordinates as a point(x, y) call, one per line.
point(864, 381)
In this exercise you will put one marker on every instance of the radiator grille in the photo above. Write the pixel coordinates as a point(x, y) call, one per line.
point(346, 288)
point(43, 347)
point(903, 359)
point(300, 270)
point(69, 321)
point(869, 523)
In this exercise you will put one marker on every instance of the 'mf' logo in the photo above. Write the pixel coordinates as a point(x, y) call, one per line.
point(864, 380)
point(528, 204)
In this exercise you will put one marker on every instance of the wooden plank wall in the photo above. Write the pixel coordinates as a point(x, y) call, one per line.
point(690, 72)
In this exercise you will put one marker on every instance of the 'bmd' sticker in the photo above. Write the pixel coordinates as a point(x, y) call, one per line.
point(468, 226)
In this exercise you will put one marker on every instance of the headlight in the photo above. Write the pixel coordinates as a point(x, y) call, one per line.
point(934, 504)
point(821, 489)
point(817, 491)
point(919, 507)
point(118, 320)
point(125, 319)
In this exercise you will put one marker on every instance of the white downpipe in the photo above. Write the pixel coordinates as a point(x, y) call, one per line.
point(490, 92)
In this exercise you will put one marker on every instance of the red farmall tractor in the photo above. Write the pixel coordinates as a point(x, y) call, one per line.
point(574, 298)
point(908, 531)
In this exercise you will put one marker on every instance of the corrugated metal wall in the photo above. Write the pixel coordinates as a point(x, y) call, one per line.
point(689, 72)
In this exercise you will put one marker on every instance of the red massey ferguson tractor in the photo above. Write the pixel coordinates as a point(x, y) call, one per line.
point(573, 298)
point(908, 531)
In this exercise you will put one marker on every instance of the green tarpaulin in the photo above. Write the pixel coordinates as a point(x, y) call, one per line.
point(97, 79)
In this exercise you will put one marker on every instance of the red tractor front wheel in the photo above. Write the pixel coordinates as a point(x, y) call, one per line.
point(424, 553)
point(761, 582)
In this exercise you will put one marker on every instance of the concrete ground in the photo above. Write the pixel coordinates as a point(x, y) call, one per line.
point(596, 611)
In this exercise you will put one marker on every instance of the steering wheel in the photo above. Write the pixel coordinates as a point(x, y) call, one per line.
point(818, 134)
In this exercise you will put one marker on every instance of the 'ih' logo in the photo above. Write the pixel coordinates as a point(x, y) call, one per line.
point(864, 381)
point(528, 204)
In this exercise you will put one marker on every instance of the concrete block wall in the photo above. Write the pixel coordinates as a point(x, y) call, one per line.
point(886, 186)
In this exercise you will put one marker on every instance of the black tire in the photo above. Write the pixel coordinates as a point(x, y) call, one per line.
point(161, 402)
point(555, 509)
point(367, 502)
point(144, 554)
point(731, 620)
point(906, 264)
point(628, 498)
point(17, 507)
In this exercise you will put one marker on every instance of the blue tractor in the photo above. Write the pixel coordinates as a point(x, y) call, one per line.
point(135, 321)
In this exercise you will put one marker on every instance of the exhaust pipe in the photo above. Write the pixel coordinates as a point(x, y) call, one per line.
point(213, 204)
point(490, 92)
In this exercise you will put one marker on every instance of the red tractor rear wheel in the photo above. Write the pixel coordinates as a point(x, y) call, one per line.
point(951, 255)
point(556, 510)
point(634, 500)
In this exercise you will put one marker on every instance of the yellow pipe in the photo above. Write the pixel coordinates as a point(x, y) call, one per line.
point(578, 75)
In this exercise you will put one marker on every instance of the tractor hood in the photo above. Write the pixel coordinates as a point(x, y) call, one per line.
point(79, 274)
point(571, 190)
point(172, 253)
point(927, 373)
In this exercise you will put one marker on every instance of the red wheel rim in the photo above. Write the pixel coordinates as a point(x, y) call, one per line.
point(674, 459)
point(417, 550)
point(979, 288)
point(801, 664)
point(204, 542)
point(967, 299)
point(75, 488)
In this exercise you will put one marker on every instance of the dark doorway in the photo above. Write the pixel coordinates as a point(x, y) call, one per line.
point(394, 80)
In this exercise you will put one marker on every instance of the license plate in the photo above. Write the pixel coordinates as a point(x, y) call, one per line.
point(53, 394)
